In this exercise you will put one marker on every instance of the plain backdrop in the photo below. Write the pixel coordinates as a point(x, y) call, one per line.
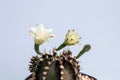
point(96, 21)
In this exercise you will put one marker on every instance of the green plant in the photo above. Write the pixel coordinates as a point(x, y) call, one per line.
point(51, 66)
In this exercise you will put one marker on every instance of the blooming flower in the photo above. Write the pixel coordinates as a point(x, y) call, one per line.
point(40, 34)
point(72, 37)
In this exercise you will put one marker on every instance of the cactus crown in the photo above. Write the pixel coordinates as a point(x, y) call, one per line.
point(54, 67)
point(49, 67)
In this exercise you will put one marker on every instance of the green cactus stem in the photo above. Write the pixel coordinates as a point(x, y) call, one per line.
point(36, 47)
point(61, 46)
point(86, 48)
point(56, 67)
point(49, 67)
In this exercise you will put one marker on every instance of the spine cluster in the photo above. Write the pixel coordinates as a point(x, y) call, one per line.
point(54, 67)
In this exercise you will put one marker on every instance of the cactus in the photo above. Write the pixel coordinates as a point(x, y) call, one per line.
point(51, 66)
point(54, 67)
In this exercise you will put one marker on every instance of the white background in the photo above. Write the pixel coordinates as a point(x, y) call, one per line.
point(97, 21)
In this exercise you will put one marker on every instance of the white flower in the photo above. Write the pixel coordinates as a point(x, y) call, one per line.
point(72, 37)
point(40, 34)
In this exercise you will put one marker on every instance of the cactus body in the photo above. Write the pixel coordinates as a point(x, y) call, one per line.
point(54, 67)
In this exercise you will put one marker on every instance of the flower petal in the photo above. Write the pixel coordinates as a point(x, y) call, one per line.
point(49, 30)
point(33, 31)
